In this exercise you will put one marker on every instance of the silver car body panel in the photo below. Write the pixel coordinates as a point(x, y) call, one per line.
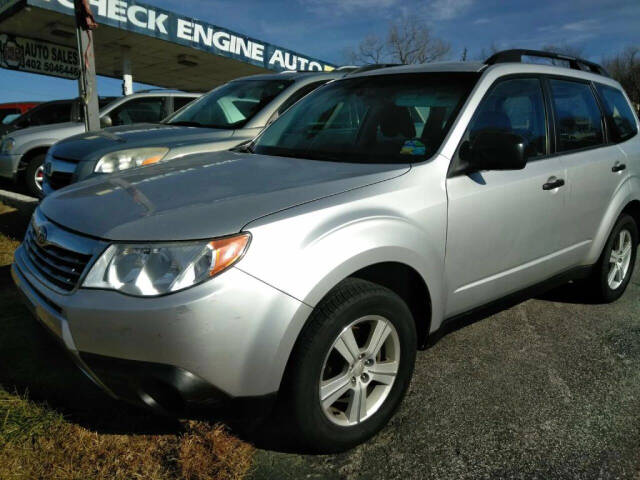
point(225, 191)
point(471, 238)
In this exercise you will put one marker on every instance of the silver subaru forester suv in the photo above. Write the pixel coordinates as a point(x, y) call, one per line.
point(315, 262)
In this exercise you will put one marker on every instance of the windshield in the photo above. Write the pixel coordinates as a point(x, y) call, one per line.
point(230, 106)
point(400, 118)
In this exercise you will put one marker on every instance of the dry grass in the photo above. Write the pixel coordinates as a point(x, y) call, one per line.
point(56, 425)
point(7, 243)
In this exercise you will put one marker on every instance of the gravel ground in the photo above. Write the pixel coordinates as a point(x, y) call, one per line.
point(547, 389)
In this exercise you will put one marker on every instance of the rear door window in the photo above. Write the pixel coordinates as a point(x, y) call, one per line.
point(578, 117)
point(141, 110)
point(620, 119)
point(179, 102)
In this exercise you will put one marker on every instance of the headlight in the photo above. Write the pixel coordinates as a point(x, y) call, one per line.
point(124, 159)
point(157, 269)
point(7, 145)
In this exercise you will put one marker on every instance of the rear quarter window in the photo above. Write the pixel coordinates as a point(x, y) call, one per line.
point(620, 119)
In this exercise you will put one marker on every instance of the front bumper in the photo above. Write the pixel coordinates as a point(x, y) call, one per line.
point(226, 339)
point(9, 165)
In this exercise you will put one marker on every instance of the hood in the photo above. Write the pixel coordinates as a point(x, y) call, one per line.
point(52, 127)
point(202, 196)
point(97, 144)
point(53, 130)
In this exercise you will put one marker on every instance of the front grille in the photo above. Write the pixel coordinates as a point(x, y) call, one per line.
point(59, 180)
point(59, 266)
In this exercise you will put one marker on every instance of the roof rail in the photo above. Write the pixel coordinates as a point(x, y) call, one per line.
point(160, 89)
point(509, 56)
point(373, 66)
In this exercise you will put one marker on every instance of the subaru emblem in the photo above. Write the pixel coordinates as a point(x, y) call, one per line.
point(41, 235)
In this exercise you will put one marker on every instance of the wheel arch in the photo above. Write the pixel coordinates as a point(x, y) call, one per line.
point(30, 154)
point(409, 285)
point(633, 208)
point(624, 201)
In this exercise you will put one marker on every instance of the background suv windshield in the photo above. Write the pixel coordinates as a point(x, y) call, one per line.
point(232, 105)
point(380, 119)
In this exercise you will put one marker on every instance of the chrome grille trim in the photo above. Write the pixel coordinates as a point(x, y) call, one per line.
point(62, 260)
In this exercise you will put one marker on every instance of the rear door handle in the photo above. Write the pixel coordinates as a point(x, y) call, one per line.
point(618, 167)
point(553, 184)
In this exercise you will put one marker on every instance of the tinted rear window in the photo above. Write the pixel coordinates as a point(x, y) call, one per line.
point(620, 118)
point(578, 117)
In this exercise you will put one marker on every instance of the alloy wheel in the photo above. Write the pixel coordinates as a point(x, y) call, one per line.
point(620, 259)
point(359, 370)
point(38, 177)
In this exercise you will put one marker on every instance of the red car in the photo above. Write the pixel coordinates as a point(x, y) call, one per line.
point(9, 111)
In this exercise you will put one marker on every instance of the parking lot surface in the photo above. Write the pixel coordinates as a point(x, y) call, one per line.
point(547, 389)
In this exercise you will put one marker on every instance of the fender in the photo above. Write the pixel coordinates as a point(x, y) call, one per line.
point(627, 193)
point(28, 148)
point(307, 250)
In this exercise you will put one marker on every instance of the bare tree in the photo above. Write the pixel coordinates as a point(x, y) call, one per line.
point(411, 41)
point(370, 50)
point(407, 41)
point(625, 68)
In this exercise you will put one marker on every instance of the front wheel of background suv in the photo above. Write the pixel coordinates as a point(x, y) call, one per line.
point(615, 266)
point(350, 368)
point(34, 175)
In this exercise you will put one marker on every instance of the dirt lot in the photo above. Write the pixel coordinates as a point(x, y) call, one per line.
point(547, 389)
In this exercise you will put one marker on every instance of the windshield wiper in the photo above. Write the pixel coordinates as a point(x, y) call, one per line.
point(188, 124)
point(246, 147)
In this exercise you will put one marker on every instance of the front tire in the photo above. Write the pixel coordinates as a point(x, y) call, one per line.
point(34, 175)
point(615, 266)
point(351, 366)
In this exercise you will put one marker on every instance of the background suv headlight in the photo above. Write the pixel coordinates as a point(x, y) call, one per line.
point(156, 269)
point(135, 157)
point(7, 145)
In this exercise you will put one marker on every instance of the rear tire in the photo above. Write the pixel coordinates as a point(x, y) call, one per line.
point(34, 175)
point(325, 360)
point(615, 266)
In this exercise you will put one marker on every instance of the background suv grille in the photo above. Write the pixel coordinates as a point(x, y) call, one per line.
point(59, 180)
point(59, 266)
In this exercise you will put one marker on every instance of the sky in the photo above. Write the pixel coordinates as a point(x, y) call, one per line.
point(325, 28)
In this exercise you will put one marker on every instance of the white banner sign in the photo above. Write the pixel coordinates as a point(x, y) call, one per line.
point(35, 56)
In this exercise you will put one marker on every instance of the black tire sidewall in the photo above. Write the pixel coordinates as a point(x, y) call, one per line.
point(624, 222)
point(29, 173)
point(319, 432)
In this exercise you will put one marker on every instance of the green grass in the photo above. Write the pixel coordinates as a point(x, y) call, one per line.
point(55, 424)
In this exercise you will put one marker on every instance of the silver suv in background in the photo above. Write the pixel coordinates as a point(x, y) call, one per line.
point(22, 152)
point(224, 118)
point(316, 262)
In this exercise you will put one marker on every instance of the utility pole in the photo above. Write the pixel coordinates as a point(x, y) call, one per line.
point(87, 85)
point(127, 76)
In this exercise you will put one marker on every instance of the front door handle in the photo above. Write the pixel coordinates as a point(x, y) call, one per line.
point(618, 167)
point(552, 184)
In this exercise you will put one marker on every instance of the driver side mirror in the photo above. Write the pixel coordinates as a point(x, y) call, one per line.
point(495, 151)
point(106, 122)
